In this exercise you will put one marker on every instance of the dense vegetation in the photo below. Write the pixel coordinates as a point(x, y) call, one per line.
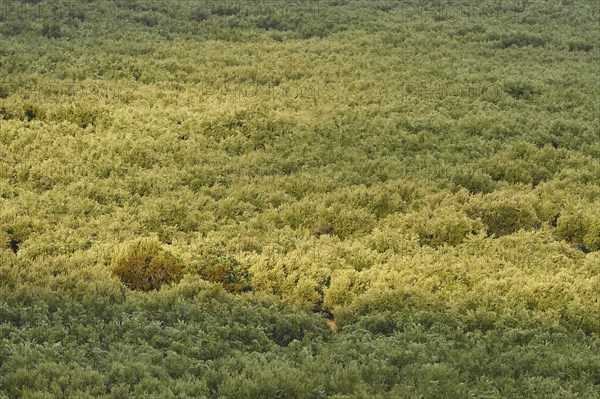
point(185, 186)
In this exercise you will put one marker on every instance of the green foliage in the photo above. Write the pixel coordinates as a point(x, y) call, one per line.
point(502, 215)
point(82, 116)
point(526, 164)
point(51, 31)
point(580, 227)
point(580, 46)
point(522, 39)
point(214, 263)
point(424, 173)
point(144, 265)
point(571, 227)
point(4, 91)
point(521, 90)
point(592, 237)
point(473, 180)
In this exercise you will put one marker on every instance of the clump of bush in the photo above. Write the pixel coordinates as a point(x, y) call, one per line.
point(474, 180)
point(521, 90)
point(522, 39)
point(467, 29)
point(581, 46)
point(448, 226)
point(524, 163)
point(580, 229)
point(199, 15)
point(215, 262)
point(145, 266)
point(51, 31)
point(33, 111)
point(230, 275)
point(81, 115)
point(5, 91)
point(504, 215)
point(571, 227)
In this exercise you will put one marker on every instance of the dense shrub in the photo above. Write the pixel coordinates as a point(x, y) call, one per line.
point(503, 216)
point(33, 111)
point(272, 22)
point(199, 14)
point(227, 271)
point(579, 228)
point(5, 91)
point(470, 29)
point(433, 193)
point(144, 265)
point(82, 115)
point(592, 238)
point(571, 227)
point(524, 163)
point(225, 9)
point(581, 46)
point(521, 90)
point(522, 39)
point(51, 31)
point(148, 19)
point(446, 225)
point(474, 180)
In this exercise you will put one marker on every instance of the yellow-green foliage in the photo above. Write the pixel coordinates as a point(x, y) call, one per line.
point(581, 227)
point(592, 238)
point(505, 213)
point(426, 172)
point(144, 265)
point(572, 227)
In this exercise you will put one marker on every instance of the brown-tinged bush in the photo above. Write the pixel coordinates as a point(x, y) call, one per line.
point(144, 265)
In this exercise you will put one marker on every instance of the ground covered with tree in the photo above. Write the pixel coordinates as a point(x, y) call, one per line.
point(187, 188)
